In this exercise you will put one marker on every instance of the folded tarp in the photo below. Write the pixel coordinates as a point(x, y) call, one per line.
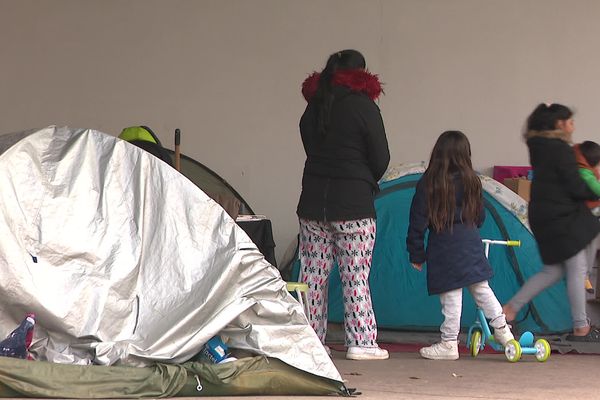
point(247, 376)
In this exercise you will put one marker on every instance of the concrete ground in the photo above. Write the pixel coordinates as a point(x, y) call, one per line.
point(489, 376)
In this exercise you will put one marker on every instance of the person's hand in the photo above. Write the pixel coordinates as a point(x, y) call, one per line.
point(418, 267)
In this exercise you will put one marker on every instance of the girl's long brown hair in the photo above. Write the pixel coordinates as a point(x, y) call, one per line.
point(450, 155)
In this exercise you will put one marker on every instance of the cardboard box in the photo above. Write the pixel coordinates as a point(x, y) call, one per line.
point(520, 186)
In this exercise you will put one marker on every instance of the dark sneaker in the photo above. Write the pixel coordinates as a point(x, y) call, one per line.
point(592, 336)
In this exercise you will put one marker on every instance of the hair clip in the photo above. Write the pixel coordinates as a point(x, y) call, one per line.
point(548, 105)
point(339, 54)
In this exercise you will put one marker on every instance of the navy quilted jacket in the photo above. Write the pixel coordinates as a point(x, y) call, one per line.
point(454, 258)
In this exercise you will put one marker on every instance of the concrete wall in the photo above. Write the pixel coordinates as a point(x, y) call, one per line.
point(228, 74)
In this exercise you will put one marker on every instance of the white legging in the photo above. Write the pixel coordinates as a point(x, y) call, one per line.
point(452, 309)
point(576, 269)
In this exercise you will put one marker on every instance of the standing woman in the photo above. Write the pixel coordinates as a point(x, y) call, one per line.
point(346, 154)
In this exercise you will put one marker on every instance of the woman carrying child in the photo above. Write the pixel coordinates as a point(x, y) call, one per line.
point(448, 203)
point(562, 224)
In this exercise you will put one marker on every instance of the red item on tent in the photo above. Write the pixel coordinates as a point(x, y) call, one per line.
point(502, 172)
point(17, 343)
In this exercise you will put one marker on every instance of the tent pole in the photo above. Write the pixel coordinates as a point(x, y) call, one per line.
point(177, 152)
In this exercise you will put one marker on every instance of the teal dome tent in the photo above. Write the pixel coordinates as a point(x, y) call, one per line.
point(399, 292)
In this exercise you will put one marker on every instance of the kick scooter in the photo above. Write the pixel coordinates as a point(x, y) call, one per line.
point(480, 334)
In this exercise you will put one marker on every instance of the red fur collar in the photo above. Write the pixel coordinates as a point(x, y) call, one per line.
point(356, 79)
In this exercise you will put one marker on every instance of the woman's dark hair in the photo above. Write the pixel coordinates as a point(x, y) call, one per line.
point(545, 117)
point(591, 152)
point(451, 154)
point(345, 59)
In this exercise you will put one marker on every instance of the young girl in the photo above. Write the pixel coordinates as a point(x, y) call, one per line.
point(448, 202)
point(562, 224)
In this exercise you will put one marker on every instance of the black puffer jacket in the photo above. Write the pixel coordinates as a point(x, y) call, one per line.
point(342, 168)
point(559, 218)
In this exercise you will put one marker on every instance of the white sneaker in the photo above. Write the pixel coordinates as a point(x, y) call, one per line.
point(366, 353)
point(503, 335)
point(441, 351)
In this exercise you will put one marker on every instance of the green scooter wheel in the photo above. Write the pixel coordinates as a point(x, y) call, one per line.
point(512, 350)
point(543, 350)
point(475, 344)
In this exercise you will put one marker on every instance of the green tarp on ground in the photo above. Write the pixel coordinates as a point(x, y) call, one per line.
point(247, 376)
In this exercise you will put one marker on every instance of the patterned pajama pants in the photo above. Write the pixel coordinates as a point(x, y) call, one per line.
point(350, 243)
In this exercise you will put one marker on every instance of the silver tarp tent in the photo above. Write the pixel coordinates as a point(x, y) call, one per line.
point(124, 261)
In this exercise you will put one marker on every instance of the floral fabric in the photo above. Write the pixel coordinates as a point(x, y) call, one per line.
point(350, 243)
